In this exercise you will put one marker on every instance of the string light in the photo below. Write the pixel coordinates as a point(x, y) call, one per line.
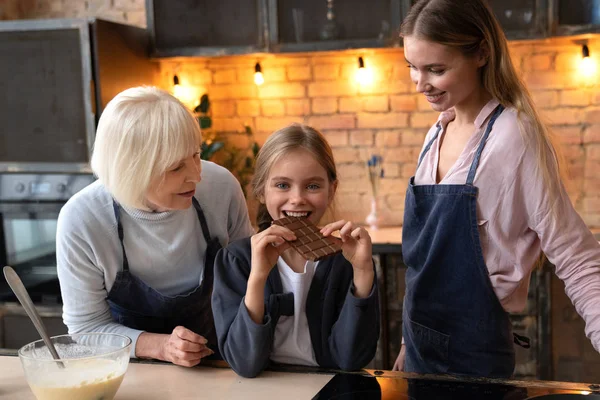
point(363, 75)
point(587, 66)
point(258, 76)
point(178, 90)
point(184, 93)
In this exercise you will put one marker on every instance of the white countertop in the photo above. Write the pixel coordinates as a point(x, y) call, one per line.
point(166, 381)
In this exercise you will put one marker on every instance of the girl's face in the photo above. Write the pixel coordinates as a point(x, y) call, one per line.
point(174, 189)
point(442, 73)
point(298, 186)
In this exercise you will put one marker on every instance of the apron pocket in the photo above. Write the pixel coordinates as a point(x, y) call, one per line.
point(432, 346)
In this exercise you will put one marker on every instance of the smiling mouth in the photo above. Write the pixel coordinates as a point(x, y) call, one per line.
point(297, 214)
point(434, 97)
point(189, 193)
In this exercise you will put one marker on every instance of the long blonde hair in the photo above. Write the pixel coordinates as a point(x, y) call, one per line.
point(278, 145)
point(468, 25)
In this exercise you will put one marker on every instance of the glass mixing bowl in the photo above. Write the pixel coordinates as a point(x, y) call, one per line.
point(92, 366)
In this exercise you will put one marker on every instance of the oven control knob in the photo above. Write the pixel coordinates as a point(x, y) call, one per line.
point(61, 187)
point(20, 188)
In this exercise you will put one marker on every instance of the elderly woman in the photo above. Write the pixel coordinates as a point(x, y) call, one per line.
point(135, 249)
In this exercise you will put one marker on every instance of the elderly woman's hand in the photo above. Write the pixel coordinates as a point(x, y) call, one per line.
point(184, 347)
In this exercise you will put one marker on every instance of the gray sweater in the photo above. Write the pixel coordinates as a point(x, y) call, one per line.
point(165, 250)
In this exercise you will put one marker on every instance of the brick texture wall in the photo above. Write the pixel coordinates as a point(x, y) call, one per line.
point(386, 117)
point(132, 12)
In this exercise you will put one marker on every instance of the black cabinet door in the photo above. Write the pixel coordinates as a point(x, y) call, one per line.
point(571, 17)
point(303, 25)
point(206, 27)
point(522, 19)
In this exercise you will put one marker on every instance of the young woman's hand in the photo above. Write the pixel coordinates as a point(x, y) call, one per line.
point(267, 246)
point(399, 364)
point(358, 250)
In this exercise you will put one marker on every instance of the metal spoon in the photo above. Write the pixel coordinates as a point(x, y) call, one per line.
point(19, 290)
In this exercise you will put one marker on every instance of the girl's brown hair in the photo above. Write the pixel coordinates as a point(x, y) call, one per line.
point(468, 25)
point(280, 143)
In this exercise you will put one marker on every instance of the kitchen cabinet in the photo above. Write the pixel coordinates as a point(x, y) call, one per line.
point(522, 19)
point(572, 17)
point(188, 28)
point(206, 28)
point(56, 77)
point(313, 25)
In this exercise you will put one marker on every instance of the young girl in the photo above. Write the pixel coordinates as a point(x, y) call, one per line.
point(272, 304)
point(485, 201)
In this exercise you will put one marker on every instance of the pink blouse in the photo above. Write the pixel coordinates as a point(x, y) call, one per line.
point(515, 221)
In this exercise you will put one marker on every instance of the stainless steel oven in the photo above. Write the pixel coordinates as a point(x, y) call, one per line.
point(29, 208)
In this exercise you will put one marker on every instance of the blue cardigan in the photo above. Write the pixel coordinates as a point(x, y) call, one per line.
point(343, 329)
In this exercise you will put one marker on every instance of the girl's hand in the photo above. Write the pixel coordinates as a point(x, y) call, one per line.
point(357, 249)
point(356, 244)
point(267, 246)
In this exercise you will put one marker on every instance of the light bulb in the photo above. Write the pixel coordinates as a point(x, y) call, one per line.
point(587, 67)
point(363, 75)
point(258, 76)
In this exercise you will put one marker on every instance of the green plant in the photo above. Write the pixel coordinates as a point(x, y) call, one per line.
point(238, 160)
point(209, 145)
point(241, 161)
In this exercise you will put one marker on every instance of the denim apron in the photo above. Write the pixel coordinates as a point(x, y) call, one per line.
point(453, 321)
point(138, 306)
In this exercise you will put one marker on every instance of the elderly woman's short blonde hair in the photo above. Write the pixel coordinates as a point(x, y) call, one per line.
point(142, 132)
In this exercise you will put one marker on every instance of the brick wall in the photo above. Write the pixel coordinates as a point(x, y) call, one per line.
point(386, 117)
point(132, 12)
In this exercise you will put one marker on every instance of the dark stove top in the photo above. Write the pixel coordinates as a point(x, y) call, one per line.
point(387, 385)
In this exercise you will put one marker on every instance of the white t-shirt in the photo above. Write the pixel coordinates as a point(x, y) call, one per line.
point(292, 344)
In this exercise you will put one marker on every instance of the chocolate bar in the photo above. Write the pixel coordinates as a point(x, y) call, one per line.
point(309, 241)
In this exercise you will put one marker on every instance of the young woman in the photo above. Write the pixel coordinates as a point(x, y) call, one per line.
point(485, 202)
point(135, 249)
point(269, 302)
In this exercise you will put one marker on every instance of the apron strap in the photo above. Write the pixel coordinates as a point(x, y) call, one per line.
point(120, 232)
point(426, 149)
point(202, 219)
point(475, 163)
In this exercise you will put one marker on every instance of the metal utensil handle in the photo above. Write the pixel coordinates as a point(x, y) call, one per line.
point(19, 290)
